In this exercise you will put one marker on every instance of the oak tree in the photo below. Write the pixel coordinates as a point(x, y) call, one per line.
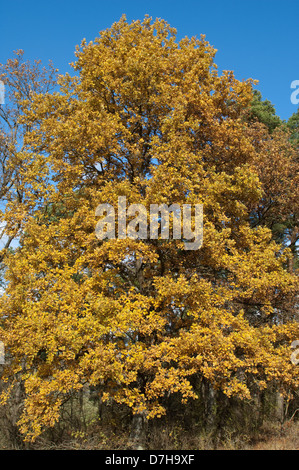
point(150, 118)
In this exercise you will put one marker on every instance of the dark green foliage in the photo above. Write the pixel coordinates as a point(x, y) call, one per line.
point(293, 126)
point(264, 112)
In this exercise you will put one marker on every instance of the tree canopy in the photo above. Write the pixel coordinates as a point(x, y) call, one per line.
point(150, 118)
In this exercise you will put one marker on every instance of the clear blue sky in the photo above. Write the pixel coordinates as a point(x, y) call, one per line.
point(256, 39)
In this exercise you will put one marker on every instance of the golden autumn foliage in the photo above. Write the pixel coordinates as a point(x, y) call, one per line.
point(151, 119)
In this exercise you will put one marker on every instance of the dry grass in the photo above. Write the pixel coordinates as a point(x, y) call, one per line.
point(81, 428)
point(285, 439)
point(270, 437)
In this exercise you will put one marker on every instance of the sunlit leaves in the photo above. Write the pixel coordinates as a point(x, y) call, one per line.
point(152, 120)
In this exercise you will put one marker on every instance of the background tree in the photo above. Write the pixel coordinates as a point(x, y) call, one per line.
point(263, 111)
point(293, 125)
point(22, 79)
point(277, 166)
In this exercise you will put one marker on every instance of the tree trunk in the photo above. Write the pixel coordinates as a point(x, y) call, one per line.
point(138, 432)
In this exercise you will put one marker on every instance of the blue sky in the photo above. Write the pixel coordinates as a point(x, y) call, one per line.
point(255, 39)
